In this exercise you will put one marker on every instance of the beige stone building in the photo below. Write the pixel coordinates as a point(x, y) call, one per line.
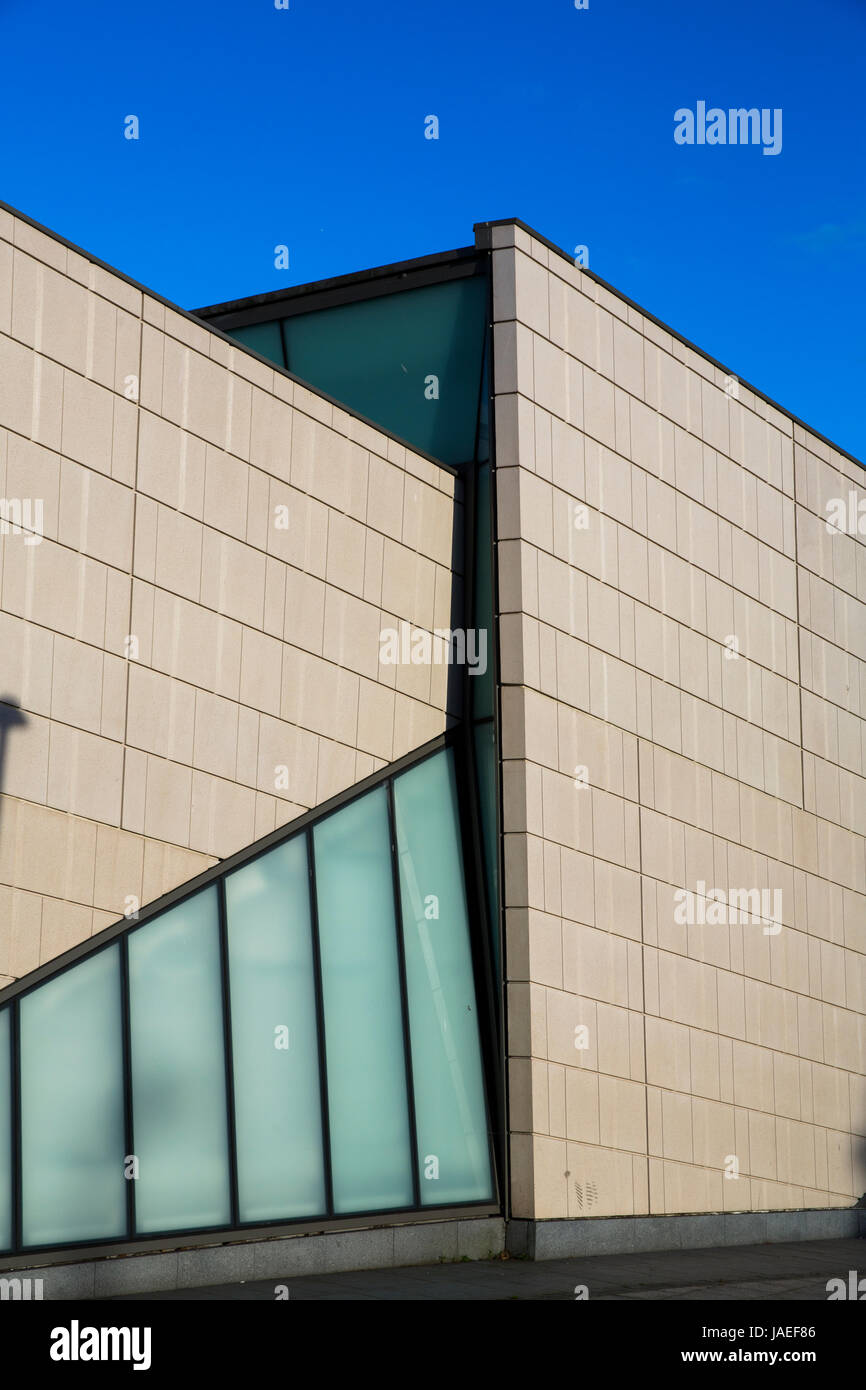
point(474, 556)
point(682, 636)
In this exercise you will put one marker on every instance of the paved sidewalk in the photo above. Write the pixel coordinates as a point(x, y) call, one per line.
point(796, 1273)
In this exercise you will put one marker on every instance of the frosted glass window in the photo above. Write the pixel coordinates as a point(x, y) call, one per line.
point(5, 1129)
point(72, 1135)
point(367, 1103)
point(453, 1152)
point(178, 1069)
point(274, 1041)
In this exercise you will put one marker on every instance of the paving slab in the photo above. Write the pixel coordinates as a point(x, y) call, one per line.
point(792, 1272)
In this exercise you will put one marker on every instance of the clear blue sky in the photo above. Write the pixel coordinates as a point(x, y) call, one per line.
point(305, 127)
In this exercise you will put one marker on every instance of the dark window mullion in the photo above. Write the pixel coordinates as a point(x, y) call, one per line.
point(404, 999)
point(126, 1063)
point(17, 1190)
point(231, 1135)
point(285, 344)
point(324, 1098)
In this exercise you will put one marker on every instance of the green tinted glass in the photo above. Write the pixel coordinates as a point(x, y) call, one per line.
point(5, 1129)
point(72, 1132)
point(281, 1169)
point(367, 1100)
point(453, 1154)
point(262, 337)
point(410, 362)
point(178, 1069)
point(388, 971)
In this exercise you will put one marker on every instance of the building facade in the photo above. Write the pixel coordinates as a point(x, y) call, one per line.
point(431, 779)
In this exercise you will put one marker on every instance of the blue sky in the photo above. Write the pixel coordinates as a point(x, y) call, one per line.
point(305, 127)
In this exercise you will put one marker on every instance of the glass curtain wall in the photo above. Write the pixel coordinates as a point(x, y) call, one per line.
point(297, 1038)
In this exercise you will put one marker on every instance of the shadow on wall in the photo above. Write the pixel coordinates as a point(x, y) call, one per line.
point(458, 616)
point(10, 717)
point(859, 1159)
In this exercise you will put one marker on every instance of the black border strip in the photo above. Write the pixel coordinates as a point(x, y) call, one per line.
point(440, 262)
point(322, 294)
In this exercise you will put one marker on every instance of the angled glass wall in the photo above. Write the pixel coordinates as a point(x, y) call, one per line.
point(368, 1098)
point(411, 361)
point(414, 358)
point(296, 1036)
point(444, 1031)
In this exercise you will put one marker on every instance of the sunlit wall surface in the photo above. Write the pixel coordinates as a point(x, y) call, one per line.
point(409, 361)
point(297, 1038)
